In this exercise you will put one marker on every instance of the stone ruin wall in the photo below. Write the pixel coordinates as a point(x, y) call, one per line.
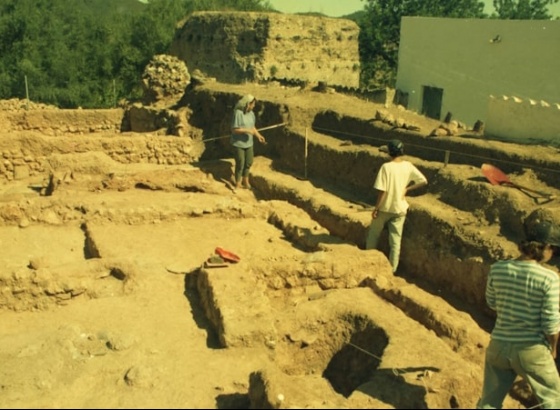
point(302, 49)
point(29, 156)
point(235, 47)
point(53, 122)
point(30, 137)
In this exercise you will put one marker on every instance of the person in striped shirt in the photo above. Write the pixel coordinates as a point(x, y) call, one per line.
point(526, 298)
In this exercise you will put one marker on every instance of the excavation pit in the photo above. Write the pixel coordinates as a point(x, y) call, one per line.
point(303, 267)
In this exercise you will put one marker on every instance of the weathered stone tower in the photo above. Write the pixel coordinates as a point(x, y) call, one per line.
point(240, 46)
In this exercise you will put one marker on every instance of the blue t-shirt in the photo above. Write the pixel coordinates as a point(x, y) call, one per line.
point(242, 120)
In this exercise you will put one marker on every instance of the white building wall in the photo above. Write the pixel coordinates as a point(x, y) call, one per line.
point(524, 121)
point(458, 56)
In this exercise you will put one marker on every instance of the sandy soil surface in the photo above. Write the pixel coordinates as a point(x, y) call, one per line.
point(107, 303)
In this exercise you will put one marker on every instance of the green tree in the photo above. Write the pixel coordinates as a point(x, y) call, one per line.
point(151, 32)
point(523, 9)
point(142, 36)
point(380, 32)
point(231, 5)
point(89, 53)
point(60, 46)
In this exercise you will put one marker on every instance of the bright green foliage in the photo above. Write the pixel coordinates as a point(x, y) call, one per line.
point(380, 28)
point(230, 5)
point(61, 47)
point(523, 9)
point(89, 53)
point(380, 32)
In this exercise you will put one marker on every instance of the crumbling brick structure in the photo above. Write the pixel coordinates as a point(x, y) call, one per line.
point(235, 47)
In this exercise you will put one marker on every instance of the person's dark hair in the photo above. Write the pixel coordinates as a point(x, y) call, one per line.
point(543, 231)
point(533, 249)
point(395, 148)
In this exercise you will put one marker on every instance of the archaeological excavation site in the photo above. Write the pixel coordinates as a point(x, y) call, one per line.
point(134, 276)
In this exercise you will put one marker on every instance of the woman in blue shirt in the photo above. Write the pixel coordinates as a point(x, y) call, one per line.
point(242, 132)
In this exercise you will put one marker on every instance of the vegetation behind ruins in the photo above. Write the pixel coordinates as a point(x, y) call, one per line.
point(91, 53)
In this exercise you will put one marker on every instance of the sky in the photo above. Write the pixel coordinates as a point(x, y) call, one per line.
point(337, 8)
point(332, 8)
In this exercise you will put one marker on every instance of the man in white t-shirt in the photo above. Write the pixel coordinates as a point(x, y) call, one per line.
point(394, 180)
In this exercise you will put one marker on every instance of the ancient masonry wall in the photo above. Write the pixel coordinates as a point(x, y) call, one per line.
point(20, 161)
point(55, 121)
point(35, 135)
point(236, 47)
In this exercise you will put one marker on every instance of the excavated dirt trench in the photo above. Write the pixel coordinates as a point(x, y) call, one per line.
point(332, 325)
point(457, 226)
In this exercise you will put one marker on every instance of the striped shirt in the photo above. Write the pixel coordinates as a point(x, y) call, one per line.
point(526, 297)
